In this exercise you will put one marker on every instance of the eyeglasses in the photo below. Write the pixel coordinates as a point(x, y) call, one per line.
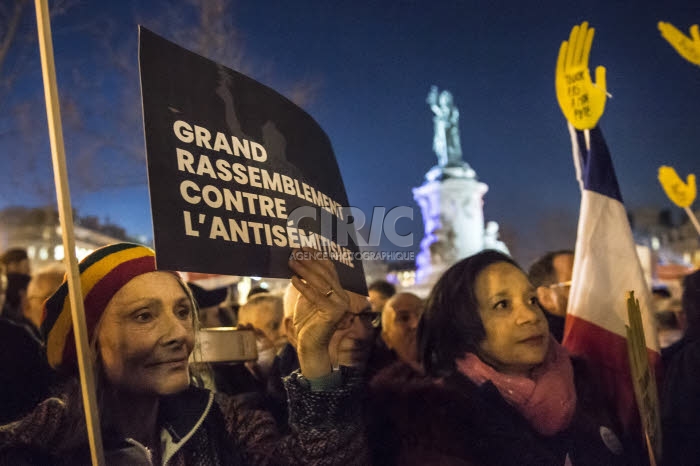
point(367, 317)
point(561, 285)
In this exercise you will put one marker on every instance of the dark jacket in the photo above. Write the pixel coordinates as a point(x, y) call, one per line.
point(25, 375)
point(202, 429)
point(16, 286)
point(680, 406)
point(417, 420)
point(274, 399)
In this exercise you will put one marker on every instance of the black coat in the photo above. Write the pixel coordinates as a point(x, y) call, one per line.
point(25, 375)
point(416, 420)
point(680, 406)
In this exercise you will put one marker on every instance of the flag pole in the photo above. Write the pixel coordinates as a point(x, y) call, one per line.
point(587, 136)
point(58, 157)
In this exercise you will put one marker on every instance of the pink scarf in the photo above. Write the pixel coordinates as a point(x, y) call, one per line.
point(547, 400)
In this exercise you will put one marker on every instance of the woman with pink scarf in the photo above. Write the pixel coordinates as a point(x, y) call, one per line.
point(499, 389)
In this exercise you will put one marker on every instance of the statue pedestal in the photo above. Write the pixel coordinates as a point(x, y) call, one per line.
point(453, 217)
point(461, 171)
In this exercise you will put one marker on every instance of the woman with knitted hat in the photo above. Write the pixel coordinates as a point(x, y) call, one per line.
point(141, 326)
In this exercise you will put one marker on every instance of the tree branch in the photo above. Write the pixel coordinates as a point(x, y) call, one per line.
point(9, 36)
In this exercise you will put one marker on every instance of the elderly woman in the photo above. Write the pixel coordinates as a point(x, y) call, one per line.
point(142, 324)
point(499, 390)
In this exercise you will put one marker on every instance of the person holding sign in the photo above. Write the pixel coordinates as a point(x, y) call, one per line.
point(141, 325)
point(349, 346)
point(502, 391)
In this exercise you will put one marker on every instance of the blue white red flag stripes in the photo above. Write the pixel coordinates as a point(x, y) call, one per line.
point(606, 266)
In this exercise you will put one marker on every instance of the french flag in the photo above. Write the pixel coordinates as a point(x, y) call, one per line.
point(606, 267)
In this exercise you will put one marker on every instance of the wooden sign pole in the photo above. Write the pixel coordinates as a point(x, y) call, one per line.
point(643, 380)
point(693, 219)
point(58, 156)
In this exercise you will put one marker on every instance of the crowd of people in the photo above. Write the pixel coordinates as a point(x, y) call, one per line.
point(472, 375)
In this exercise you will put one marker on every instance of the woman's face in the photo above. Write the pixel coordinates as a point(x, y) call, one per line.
point(517, 335)
point(146, 336)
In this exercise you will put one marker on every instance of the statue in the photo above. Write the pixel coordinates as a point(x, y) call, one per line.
point(451, 202)
point(446, 139)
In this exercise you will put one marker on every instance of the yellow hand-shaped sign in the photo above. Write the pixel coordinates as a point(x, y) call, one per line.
point(687, 47)
point(581, 100)
point(680, 193)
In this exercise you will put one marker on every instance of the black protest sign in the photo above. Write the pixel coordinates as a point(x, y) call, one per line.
point(238, 174)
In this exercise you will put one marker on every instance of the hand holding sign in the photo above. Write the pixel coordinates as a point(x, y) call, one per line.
point(687, 47)
point(320, 308)
point(680, 193)
point(581, 100)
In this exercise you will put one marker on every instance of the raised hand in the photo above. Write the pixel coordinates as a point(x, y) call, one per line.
point(581, 100)
point(680, 193)
point(321, 306)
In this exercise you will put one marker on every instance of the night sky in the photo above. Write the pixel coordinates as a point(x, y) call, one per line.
point(369, 66)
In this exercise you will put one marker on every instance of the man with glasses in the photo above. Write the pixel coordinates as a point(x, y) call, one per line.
point(551, 276)
point(350, 346)
point(352, 340)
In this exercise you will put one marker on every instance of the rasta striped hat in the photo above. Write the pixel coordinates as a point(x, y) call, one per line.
point(102, 274)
